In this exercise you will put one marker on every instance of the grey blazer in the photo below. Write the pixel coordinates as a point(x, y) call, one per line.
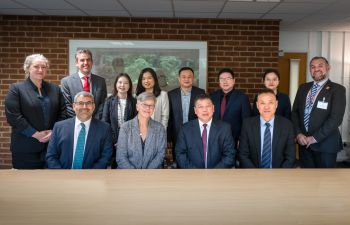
point(129, 146)
point(71, 85)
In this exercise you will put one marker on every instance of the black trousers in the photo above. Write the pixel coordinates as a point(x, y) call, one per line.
point(314, 159)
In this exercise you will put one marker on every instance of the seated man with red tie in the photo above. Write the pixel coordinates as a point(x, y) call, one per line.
point(205, 142)
point(84, 80)
point(267, 140)
point(81, 142)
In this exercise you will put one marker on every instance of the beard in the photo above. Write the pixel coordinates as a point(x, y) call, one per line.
point(318, 77)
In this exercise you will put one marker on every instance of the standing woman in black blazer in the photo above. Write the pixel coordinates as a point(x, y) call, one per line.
point(271, 79)
point(32, 107)
point(119, 108)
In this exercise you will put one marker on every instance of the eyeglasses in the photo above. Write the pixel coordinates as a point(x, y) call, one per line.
point(225, 79)
point(37, 67)
point(81, 104)
point(145, 106)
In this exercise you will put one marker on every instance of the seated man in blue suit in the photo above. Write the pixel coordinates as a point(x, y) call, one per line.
point(204, 142)
point(81, 142)
point(267, 140)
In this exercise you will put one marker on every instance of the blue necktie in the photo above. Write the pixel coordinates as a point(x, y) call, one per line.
point(309, 104)
point(79, 150)
point(266, 153)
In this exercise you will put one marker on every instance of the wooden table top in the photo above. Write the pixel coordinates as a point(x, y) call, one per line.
point(294, 196)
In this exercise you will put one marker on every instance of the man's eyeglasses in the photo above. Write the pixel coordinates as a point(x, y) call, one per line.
point(88, 104)
point(225, 79)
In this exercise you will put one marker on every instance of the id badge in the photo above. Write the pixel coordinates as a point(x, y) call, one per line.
point(322, 105)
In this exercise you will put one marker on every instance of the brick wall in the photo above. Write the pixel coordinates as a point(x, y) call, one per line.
point(247, 46)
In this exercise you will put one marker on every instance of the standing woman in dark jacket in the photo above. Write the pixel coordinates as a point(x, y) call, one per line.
point(32, 107)
point(271, 79)
point(120, 107)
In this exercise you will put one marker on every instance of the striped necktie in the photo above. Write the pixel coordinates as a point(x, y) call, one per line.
point(309, 104)
point(79, 149)
point(266, 153)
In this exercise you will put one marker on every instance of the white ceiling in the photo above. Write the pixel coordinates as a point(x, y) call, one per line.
point(299, 15)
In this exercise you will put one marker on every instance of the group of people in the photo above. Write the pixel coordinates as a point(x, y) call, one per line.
point(76, 126)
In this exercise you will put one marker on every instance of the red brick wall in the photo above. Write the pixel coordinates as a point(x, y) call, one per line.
point(247, 46)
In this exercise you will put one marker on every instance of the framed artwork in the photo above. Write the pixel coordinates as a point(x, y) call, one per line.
point(111, 57)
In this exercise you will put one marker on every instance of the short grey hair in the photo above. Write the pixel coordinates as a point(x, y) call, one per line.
point(84, 94)
point(82, 51)
point(29, 61)
point(144, 96)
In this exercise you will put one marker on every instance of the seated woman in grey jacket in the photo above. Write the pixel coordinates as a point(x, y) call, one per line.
point(142, 141)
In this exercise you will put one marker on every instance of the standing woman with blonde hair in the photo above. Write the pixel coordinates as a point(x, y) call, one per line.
point(32, 107)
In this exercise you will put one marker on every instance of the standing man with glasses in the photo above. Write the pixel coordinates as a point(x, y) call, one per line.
point(81, 142)
point(84, 80)
point(231, 105)
point(205, 142)
point(317, 113)
point(267, 140)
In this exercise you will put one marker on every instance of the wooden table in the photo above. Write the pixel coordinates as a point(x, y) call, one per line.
point(178, 197)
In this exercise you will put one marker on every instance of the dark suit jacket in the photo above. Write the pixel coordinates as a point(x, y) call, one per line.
point(283, 109)
point(71, 85)
point(175, 110)
point(283, 145)
point(189, 149)
point(24, 112)
point(110, 113)
point(323, 123)
point(98, 148)
point(237, 108)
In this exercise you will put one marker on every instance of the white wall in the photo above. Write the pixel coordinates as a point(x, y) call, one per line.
point(335, 46)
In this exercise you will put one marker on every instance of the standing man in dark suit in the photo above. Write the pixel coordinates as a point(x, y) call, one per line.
point(267, 141)
point(84, 80)
point(231, 105)
point(181, 105)
point(205, 142)
point(317, 113)
point(81, 142)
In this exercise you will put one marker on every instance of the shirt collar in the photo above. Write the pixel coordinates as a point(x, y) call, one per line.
point(208, 124)
point(183, 92)
point(322, 82)
point(87, 123)
point(271, 122)
point(82, 75)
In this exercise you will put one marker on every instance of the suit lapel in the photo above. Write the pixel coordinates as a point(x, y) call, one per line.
point(33, 96)
point(89, 143)
point(178, 103)
point(304, 96)
point(275, 136)
point(70, 136)
point(257, 137)
point(211, 141)
point(321, 94)
point(77, 85)
point(198, 138)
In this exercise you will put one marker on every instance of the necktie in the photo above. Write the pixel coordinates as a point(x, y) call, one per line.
point(79, 150)
point(223, 106)
point(266, 153)
point(86, 86)
point(204, 143)
point(309, 104)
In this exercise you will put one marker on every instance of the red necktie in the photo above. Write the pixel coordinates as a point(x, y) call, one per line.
point(204, 142)
point(223, 107)
point(86, 86)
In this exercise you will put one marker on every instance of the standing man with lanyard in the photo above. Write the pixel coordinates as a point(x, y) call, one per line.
point(84, 80)
point(317, 113)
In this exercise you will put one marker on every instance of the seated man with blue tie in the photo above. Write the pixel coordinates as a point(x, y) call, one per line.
point(81, 142)
point(204, 142)
point(267, 141)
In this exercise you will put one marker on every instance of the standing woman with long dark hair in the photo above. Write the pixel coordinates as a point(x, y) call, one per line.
point(119, 108)
point(148, 82)
point(32, 107)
